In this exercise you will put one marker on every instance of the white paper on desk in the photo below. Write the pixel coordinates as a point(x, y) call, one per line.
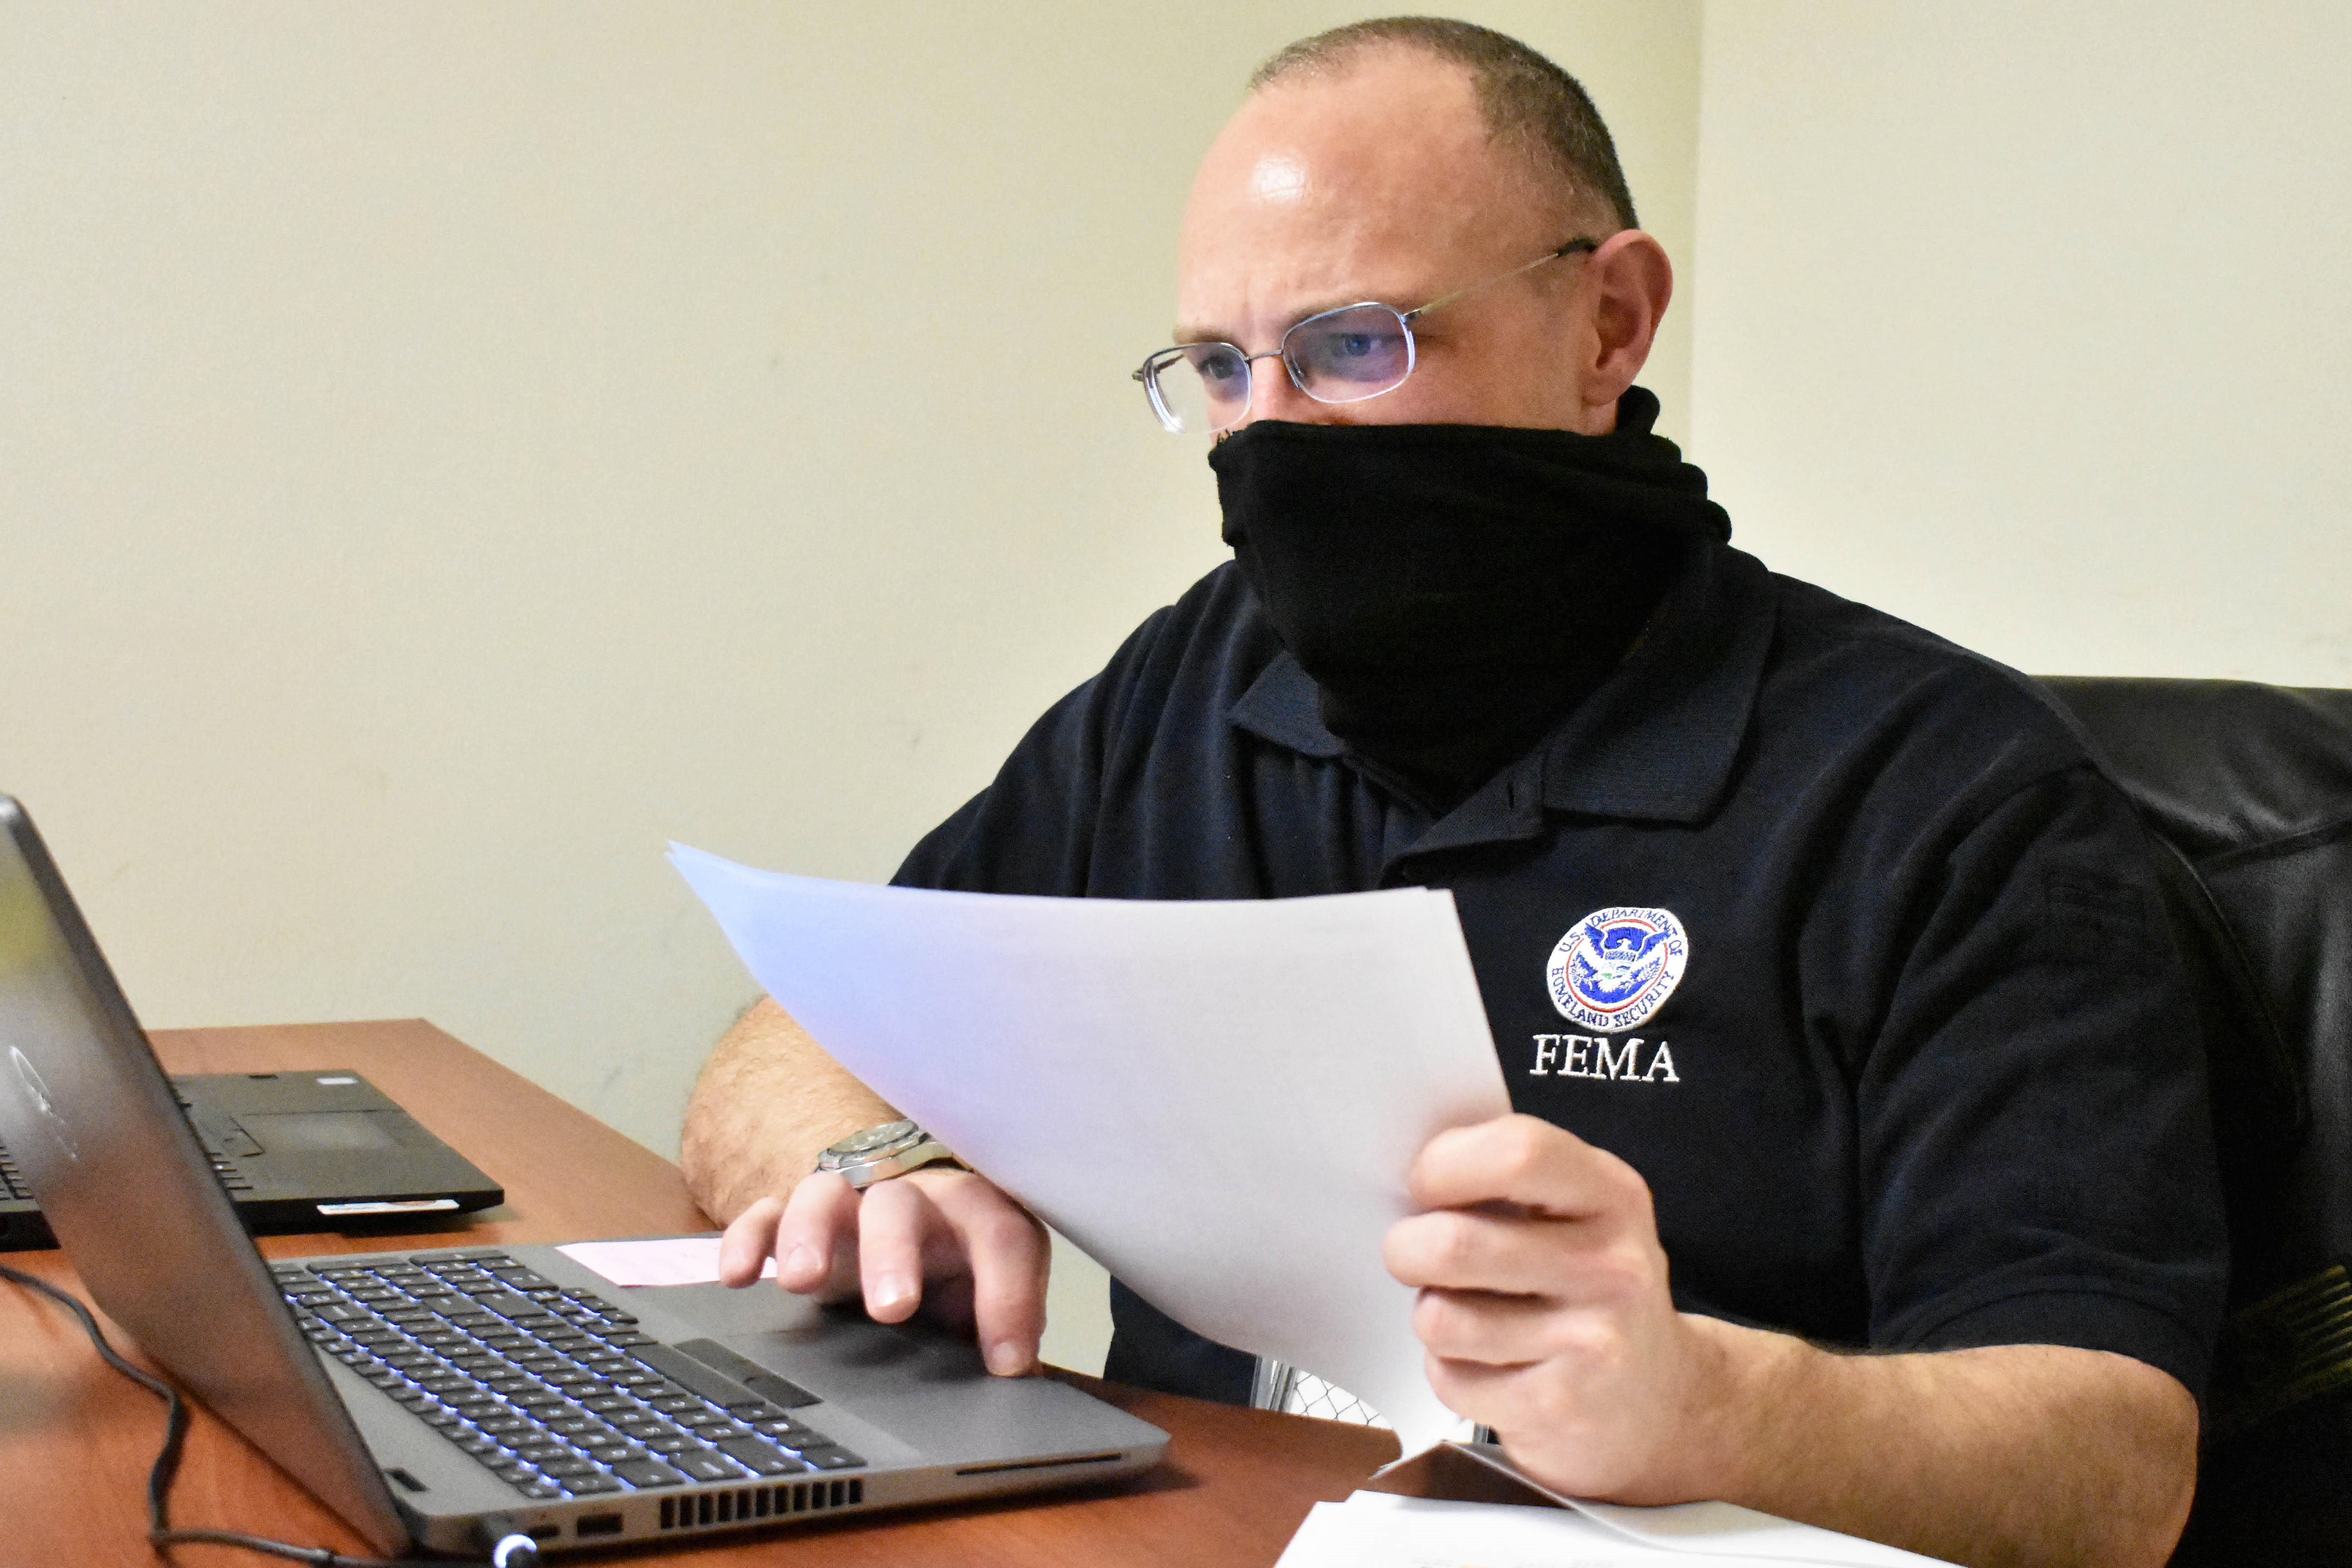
point(1713, 1531)
point(1700, 1531)
point(1218, 1101)
point(1372, 1530)
point(1375, 1529)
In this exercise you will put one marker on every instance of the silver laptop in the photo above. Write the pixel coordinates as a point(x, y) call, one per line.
point(448, 1398)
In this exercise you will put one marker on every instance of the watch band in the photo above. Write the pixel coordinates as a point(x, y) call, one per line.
point(878, 1153)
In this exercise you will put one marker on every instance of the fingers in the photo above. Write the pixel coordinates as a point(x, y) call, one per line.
point(1537, 1248)
point(812, 1238)
point(1473, 1327)
point(1009, 1259)
point(950, 1242)
point(1543, 1306)
point(1579, 1259)
point(1529, 1164)
point(748, 1243)
point(1513, 1398)
point(1519, 1206)
point(817, 1238)
point(893, 1220)
point(962, 1231)
point(1477, 1389)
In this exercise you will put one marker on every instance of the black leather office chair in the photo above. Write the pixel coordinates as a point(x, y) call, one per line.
point(2250, 786)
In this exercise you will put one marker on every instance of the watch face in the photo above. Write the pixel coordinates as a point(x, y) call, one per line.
point(877, 1140)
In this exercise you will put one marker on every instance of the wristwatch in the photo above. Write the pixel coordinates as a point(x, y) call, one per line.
point(894, 1148)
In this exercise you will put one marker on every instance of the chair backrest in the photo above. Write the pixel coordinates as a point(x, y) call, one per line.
point(2250, 789)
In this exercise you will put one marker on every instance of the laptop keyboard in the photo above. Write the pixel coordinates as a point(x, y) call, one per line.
point(231, 1177)
point(554, 1390)
point(12, 1180)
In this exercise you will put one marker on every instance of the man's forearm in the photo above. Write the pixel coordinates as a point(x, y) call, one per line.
point(2007, 1454)
point(769, 1099)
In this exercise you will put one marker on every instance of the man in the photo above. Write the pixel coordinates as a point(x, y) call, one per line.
point(1821, 963)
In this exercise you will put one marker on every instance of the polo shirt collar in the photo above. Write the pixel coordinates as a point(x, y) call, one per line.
point(1656, 742)
point(1282, 706)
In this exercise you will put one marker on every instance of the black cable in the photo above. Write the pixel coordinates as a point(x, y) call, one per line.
point(159, 1532)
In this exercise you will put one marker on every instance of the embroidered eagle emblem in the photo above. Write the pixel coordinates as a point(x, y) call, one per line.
point(1617, 966)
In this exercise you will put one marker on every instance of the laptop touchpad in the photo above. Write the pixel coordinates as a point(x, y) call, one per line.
point(716, 1309)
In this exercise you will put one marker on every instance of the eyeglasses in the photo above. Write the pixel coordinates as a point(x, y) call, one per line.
point(1346, 355)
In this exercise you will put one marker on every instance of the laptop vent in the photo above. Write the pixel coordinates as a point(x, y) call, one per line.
point(759, 1502)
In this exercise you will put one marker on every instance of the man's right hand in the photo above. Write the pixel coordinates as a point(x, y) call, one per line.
point(948, 1241)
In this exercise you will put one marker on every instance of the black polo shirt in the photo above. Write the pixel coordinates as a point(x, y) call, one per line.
point(1881, 1002)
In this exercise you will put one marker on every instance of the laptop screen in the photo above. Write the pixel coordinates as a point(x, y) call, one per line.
point(96, 1134)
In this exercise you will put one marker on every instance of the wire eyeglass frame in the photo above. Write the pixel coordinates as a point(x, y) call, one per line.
point(1230, 360)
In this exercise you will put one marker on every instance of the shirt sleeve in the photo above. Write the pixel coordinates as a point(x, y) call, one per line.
point(1031, 831)
point(2032, 1116)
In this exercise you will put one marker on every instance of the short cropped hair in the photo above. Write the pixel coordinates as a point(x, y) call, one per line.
point(1530, 104)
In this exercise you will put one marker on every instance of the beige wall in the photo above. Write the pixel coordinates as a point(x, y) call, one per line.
point(2028, 321)
point(446, 450)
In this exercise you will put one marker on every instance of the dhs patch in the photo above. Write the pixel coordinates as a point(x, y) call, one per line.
point(1616, 966)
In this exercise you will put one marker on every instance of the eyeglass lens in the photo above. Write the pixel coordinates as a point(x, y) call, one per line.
point(1199, 387)
point(1340, 356)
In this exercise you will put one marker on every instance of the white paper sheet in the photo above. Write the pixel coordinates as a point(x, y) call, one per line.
point(1375, 1529)
point(1218, 1101)
point(1707, 1531)
point(1720, 1530)
point(1372, 1530)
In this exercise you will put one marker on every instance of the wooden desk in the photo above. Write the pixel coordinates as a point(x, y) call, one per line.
point(76, 1439)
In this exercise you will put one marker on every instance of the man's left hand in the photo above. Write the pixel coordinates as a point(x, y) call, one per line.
point(1545, 1314)
point(1545, 1311)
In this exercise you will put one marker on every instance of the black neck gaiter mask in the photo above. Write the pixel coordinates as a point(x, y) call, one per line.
point(1455, 590)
